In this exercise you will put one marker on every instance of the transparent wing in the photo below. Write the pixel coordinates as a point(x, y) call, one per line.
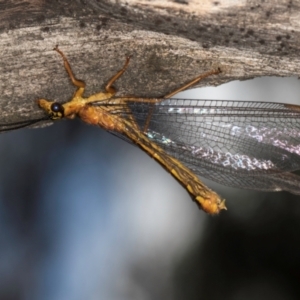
point(237, 143)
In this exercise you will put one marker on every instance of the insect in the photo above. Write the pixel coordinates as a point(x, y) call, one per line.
point(251, 145)
point(115, 114)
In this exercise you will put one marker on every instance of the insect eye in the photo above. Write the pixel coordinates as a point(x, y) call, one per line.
point(57, 107)
point(57, 110)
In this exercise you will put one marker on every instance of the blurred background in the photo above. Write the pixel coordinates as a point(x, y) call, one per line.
point(85, 215)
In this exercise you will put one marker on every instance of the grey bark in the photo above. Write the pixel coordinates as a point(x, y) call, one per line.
point(170, 42)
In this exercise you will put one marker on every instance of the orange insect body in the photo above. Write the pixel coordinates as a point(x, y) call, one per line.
point(103, 115)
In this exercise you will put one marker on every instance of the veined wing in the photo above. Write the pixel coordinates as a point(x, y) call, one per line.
point(237, 143)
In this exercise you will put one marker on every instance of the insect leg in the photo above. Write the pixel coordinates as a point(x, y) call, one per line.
point(110, 91)
point(192, 82)
point(157, 100)
point(79, 83)
point(108, 87)
point(186, 86)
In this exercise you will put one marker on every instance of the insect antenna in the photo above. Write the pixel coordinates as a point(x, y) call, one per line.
point(21, 124)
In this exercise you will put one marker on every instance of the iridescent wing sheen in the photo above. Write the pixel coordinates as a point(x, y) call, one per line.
point(243, 144)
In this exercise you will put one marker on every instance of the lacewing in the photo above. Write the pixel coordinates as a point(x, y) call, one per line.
point(243, 144)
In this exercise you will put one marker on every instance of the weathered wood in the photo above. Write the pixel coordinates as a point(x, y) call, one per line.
point(170, 43)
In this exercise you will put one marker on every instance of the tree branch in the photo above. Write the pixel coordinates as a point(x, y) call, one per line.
point(170, 42)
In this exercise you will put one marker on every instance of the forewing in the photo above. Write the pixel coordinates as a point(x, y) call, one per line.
point(237, 143)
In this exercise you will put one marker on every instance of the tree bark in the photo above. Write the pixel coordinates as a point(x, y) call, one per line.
point(170, 42)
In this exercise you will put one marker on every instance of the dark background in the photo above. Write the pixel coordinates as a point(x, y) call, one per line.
point(84, 215)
